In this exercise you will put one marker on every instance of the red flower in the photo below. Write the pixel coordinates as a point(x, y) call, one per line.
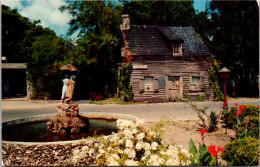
point(257, 106)
point(239, 112)
point(236, 104)
point(243, 107)
point(220, 149)
point(202, 131)
point(213, 151)
point(225, 103)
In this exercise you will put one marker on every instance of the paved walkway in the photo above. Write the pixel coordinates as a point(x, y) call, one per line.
point(15, 108)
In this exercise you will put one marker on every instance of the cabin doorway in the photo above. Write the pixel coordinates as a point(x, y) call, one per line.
point(174, 88)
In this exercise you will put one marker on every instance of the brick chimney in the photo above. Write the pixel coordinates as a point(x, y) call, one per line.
point(125, 22)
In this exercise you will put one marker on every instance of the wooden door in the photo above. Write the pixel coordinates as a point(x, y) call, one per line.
point(174, 86)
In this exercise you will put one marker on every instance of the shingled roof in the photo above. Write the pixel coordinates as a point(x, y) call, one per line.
point(149, 40)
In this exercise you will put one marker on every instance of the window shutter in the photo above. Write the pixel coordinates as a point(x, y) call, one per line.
point(141, 85)
point(156, 85)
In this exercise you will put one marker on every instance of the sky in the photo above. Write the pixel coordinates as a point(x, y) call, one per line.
point(48, 12)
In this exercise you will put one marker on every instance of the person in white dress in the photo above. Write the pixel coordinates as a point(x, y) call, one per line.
point(65, 86)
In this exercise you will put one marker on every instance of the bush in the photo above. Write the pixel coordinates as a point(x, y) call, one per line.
point(230, 117)
point(252, 127)
point(133, 145)
point(124, 84)
point(207, 121)
point(242, 151)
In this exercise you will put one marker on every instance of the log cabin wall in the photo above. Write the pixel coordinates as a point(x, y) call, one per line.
point(163, 68)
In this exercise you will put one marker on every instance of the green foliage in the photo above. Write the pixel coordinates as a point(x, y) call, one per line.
point(213, 79)
point(230, 117)
point(242, 152)
point(200, 157)
point(252, 127)
point(125, 87)
point(14, 28)
point(236, 46)
point(98, 48)
point(208, 122)
point(201, 97)
point(47, 56)
point(213, 121)
point(186, 95)
point(161, 13)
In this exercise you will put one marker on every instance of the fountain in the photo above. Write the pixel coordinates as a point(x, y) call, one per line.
point(67, 119)
point(48, 139)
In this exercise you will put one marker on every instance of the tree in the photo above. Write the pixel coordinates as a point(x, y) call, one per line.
point(234, 26)
point(48, 55)
point(161, 13)
point(98, 49)
point(14, 27)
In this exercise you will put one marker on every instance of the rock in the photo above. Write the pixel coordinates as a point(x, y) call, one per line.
point(67, 119)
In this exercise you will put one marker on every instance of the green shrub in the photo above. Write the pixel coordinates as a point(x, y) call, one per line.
point(201, 98)
point(252, 127)
point(230, 117)
point(124, 84)
point(242, 151)
point(213, 122)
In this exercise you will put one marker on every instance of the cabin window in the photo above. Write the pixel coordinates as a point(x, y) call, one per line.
point(195, 82)
point(174, 82)
point(177, 49)
point(148, 84)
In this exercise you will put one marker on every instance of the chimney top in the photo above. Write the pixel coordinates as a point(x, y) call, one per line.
point(125, 15)
point(125, 22)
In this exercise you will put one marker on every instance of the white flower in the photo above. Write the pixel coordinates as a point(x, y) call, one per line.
point(76, 151)
point(134, 131)
point(115, 157)
point(153, 134)
point(161, 161)
point(109, 148)
point(171, 150)
point(154, 145)
point(121, 141)
point(138, 146)
point(140, 122)
point(130, 153)
point(114, 138)
point(91, 151)
point(184, 151)
point(123, 124)
point(128, 134)
point(129, 144)
point(75, 158)
point(147, 146)
point(153, 160)
point(179, 146)
point(147, 153)
point(112, 163)
point(140, 136)
point(172, 162)
point(131, 162)
point(163, 152)
point(101, 151)
point(85, 148)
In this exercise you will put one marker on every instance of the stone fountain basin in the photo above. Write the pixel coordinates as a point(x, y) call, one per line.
point(16, 153)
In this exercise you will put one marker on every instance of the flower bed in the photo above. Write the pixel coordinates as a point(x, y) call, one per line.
point(134, 145)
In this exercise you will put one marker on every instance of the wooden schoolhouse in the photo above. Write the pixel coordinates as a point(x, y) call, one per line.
point(169, 63)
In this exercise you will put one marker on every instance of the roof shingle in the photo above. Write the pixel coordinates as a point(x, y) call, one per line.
point(148, 40)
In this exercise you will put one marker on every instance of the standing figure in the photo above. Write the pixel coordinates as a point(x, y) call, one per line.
point(65, 86)
point(70, 90)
